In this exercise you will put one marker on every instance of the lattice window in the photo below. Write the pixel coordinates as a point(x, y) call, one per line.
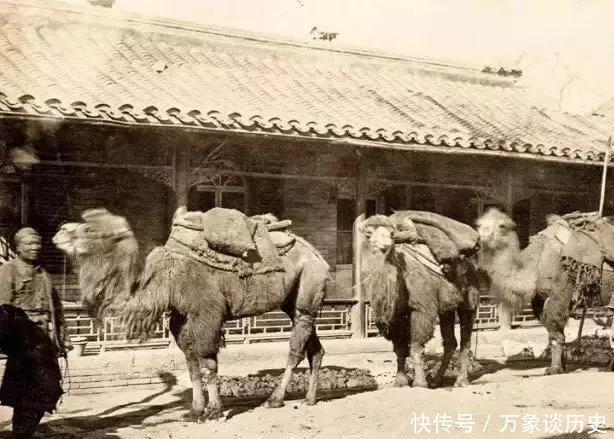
point(217, 186)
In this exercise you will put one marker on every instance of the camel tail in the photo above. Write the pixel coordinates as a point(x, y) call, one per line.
point(152, 296)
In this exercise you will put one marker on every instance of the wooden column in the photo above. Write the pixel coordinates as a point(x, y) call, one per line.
point(506, 314)
point(25, 203)
point(359, 317)
point(181, 165)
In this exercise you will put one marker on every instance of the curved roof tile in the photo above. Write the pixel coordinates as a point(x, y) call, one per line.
point(64, 61)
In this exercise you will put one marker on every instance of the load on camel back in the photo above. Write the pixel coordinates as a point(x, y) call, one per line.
point(565, 266)
point(216, 266)
point(417, 268)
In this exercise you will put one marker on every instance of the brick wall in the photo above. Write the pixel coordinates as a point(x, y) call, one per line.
point(122, 370)
point(313, 214)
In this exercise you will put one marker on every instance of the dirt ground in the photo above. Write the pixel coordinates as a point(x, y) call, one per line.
point(566, 406)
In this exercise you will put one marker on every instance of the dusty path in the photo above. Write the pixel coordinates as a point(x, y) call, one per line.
point(515, 389)
point(387, 412)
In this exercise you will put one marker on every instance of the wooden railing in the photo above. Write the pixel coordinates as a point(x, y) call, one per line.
point(333, 321)
point(6, 251)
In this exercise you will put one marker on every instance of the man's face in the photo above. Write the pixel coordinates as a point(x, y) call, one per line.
point(29, 247)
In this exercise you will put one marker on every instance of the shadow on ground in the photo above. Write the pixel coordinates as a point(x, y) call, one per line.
point(583, 435)
point(107, 423)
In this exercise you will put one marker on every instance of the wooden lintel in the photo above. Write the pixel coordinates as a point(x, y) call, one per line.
point(58, 163)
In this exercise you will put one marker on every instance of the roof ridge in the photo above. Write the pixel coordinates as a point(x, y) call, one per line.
point(438, 66)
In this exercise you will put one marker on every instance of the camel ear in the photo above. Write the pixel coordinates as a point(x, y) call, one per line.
point(179, 212)
point(93, 213)
point(366, 230)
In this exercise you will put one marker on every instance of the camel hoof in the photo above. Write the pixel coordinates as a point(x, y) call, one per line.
point(401, 380)
point(191, 416)
point(274, 403)
point(436, 383)
point(310, 400)
point(421, 383)
point(211, 414)
point(555, 370)
point(461, 382)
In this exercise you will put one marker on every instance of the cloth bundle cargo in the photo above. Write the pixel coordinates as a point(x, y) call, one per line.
point(575, 242)
point(228, 239)
point(578, 237)
point(225, 230)
point(445, 237)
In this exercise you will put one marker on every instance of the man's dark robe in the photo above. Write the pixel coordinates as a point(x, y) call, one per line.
point(32, 376)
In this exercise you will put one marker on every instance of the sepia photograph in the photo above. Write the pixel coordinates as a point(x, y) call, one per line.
point(301, 219)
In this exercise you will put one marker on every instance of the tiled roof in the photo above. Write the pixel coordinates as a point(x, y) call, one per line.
point(62, 61)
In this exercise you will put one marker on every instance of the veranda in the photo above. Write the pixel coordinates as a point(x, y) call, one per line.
point(144, 173)
point(177, 114)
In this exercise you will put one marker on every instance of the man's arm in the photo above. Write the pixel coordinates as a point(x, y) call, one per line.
point(60, 323)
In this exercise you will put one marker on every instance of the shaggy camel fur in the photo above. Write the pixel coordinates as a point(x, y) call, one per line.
point(200, 298)
point(536, 274)
point(408, 296)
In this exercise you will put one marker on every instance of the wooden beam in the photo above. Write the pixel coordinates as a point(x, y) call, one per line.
point(506, 313)
point(359, 311)
point(59, 163)
point(25, 203)
point(509, 190)
point(283, 176)
point(603, 180)
point(181, 170)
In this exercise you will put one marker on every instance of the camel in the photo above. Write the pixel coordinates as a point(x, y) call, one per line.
point(559, 269)
point(200, 296)
point(409, 291)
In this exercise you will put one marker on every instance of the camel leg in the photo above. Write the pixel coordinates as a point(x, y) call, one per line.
point(198, 396)
point(446, 326)
point(400, 337)
point(214, 408)
point(302, 329)
point(315, 353)
point(555, 318)
point(422, 327)
point(401, 349)
point(467, 318)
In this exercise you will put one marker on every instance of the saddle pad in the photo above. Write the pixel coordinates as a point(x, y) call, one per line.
point(281, 239)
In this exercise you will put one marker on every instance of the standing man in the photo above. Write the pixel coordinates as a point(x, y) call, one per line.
point(32, 383)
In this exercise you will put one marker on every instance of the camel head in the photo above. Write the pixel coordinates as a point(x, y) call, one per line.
point(378, 233)
point(496, 231)
point(108, 257)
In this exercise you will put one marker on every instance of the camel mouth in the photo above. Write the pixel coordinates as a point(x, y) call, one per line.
point(65, 238)
point(380, 238)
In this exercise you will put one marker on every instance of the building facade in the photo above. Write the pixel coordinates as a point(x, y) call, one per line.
point(100, 108)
